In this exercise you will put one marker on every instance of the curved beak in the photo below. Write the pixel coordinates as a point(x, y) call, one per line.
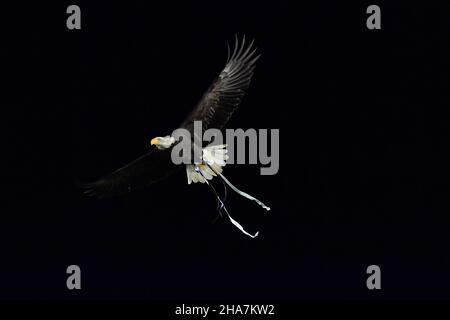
point(154, 141)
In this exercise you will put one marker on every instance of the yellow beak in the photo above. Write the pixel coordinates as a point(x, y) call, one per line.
point(154, 141)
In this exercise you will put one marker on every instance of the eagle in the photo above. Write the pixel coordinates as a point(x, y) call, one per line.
point(213, 110)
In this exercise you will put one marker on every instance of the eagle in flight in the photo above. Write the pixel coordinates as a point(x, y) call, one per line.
point(214, 110)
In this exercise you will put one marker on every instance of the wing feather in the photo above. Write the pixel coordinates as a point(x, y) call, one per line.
point(226, 92)
point(140, 173)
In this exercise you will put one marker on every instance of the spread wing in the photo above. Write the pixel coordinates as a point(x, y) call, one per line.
point(224, 95)
point(140, 173)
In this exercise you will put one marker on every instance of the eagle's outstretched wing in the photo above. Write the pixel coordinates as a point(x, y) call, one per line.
point(226, 92)
point(147, 169)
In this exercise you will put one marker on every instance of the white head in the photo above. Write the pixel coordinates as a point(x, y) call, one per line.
point(163, 142)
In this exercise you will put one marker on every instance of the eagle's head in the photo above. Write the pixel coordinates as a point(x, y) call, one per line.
point(163, 142)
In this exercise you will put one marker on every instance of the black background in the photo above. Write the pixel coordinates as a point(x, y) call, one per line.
point(364, 179)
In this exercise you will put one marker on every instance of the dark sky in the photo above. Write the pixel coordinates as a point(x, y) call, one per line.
point(364, 164)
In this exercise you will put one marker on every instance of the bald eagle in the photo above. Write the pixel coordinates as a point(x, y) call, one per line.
point(214, 110)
